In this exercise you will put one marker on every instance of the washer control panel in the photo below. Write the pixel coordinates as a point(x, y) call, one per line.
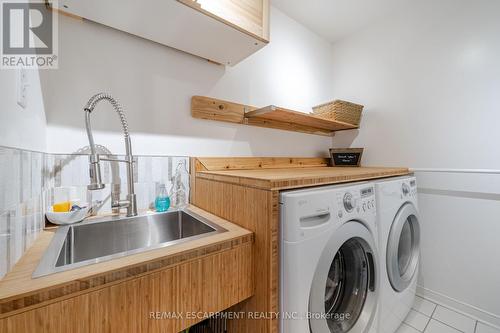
point(357, 201)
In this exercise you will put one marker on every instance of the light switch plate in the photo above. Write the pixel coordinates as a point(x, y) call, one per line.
point(22, 88)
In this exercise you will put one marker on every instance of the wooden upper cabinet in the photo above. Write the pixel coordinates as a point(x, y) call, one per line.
point(251, 16)
point(223, 31)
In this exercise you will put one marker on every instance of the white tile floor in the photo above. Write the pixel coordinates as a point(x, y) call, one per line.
point(428, 317)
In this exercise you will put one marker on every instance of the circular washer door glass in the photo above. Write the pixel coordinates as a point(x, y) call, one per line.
point(347, 286)
point(405, 247)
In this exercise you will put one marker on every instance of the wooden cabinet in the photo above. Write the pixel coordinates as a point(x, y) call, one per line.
point(223, 31)
point(167, 300)
point(251, 16)
point(256, 210)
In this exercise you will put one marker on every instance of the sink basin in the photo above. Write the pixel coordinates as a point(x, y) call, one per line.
point(101, 240)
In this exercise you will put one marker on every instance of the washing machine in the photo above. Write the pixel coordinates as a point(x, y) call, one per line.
point(329, 260)
point(399, 231)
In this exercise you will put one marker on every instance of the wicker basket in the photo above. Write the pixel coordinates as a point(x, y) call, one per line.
point(339, 110)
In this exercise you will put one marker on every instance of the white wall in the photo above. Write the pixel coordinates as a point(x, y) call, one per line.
point(431, 81)
point(430, 78)
point(155, 84)
point(21, 128)
point(460, 241)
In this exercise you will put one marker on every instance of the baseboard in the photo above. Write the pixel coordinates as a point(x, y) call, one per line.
point(461, 307)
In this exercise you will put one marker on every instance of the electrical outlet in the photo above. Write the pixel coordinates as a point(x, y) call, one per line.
point(22, 88)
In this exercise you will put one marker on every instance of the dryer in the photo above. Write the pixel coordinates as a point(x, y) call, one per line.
point(399, 240)
point(329, 260)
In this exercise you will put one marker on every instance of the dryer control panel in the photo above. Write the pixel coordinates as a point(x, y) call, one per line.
point(409, 188)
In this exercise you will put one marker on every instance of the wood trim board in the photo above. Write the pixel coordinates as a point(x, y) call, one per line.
point(256, 163)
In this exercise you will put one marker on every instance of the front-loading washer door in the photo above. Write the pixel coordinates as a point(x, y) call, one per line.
point(343, 295)
point(403, 248)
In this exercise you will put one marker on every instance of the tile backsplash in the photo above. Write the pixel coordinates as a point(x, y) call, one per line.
point(31, 182)
point(21, 203)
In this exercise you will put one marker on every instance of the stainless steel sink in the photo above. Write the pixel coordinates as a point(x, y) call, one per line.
point(88, 243)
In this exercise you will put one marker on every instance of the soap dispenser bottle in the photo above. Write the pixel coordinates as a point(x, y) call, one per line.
point(162, 201)
point(180, 186)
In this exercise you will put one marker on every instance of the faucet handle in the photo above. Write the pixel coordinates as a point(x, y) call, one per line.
point(94, 207)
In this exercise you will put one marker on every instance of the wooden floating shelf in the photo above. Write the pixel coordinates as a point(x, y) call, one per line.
point(269, 117)
point(289, 116)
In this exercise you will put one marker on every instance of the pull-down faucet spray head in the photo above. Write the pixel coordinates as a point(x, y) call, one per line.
point(94, 160)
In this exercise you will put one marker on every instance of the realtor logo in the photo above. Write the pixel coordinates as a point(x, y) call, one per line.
point(29, 36)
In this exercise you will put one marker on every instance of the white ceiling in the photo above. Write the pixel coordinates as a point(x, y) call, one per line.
point(334, 19)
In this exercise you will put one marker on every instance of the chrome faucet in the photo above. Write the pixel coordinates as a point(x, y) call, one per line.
point(95, 168)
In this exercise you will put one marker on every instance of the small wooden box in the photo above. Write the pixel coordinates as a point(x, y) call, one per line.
point(346, 156)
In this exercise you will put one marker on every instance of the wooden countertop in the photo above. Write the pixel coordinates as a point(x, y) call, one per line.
point(288, 178)
point(18, 290)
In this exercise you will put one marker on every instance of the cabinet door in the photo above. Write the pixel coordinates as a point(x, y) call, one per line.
point(68, 316)
point(252, 16)
point(184, 24)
